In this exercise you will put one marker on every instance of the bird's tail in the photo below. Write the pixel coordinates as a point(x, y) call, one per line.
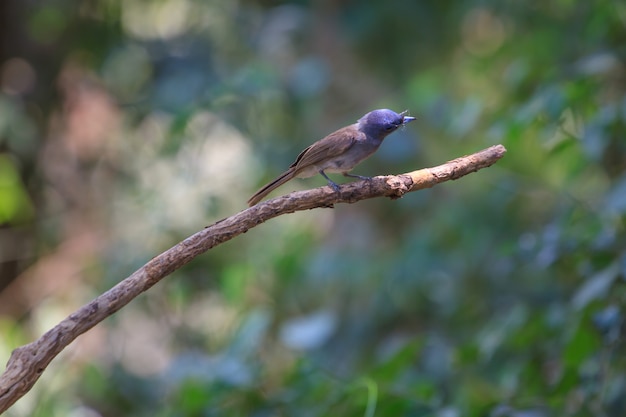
point(271, 186)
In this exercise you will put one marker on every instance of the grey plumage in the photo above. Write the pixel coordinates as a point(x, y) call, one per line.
point(340, 151)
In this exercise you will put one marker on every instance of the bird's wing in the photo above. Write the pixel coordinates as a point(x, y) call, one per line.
point(331, 146)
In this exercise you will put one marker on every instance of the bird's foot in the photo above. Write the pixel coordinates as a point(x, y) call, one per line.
point(333, 185)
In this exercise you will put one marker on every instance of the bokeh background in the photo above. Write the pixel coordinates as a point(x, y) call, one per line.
point(127, 126)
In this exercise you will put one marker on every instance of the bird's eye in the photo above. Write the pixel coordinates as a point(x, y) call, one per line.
point(389, 127)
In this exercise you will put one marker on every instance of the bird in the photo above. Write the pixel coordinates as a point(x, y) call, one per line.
point(340, 151)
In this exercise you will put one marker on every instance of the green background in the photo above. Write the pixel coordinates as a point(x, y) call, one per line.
point(127, 126)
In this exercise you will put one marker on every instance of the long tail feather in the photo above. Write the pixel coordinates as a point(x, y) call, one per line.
point(271, 186)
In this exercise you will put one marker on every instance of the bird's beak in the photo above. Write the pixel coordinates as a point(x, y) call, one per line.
point(406, 119)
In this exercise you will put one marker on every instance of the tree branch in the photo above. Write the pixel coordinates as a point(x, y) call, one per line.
point(28, 362)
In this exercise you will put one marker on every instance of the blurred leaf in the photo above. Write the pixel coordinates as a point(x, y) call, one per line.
point(234, 283)
point(596, 286)
point(616, 198)
point(15, 206)
point(583, 344)
point(308, 332)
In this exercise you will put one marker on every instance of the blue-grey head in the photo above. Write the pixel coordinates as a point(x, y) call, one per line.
point(380, 123)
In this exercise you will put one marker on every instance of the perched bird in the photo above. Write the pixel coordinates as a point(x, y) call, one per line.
point(340, 151)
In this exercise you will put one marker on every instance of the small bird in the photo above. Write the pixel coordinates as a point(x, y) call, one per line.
point(340, 151)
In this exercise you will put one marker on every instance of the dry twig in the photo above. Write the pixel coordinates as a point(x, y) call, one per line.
point(28, 362)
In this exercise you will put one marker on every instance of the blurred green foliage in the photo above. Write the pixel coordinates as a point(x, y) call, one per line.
point(127, 126)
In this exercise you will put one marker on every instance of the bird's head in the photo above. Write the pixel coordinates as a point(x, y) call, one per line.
point(380, 123)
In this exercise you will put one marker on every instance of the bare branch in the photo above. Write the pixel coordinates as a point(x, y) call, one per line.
point(28, 362)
